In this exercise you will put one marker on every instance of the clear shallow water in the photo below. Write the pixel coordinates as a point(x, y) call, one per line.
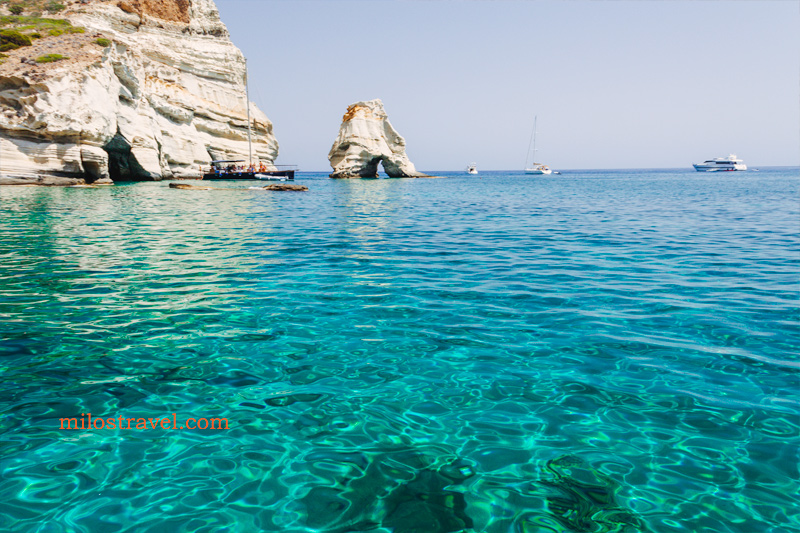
point(596, 351)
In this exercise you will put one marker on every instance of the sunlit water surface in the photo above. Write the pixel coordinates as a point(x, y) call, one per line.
point(591, 352)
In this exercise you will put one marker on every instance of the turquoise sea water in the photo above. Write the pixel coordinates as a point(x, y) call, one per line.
point(601, 351)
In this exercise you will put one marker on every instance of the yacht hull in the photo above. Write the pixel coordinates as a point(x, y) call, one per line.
point(717, 168)
point(720, 164)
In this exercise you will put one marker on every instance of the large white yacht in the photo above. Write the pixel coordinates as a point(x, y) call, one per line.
point(721, 163)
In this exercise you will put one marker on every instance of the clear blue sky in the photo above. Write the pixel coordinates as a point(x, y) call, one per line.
point(615, 84)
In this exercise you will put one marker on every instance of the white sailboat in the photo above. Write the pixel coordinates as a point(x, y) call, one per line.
point(535, 168)
point(472, 168)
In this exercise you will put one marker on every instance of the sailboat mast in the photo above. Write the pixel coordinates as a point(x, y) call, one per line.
point(249, 136)
point(532, 142)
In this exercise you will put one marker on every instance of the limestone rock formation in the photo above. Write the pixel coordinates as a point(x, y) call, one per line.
point(366, 139)
point(163, 100)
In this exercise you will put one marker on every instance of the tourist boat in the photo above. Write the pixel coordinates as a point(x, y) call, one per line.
point(228, 169)
point(535, 168)
point(234, 169)
point(720, 164)
point(472, 168)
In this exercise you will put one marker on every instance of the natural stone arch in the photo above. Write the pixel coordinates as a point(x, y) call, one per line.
point(370, 169)
point(366, 139)
point(394, 169)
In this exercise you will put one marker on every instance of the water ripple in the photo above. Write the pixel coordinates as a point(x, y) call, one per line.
point(605, 352)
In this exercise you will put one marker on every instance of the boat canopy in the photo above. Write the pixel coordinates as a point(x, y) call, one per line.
point(229, 161)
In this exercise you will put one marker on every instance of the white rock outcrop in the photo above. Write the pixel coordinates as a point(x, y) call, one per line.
point(163, 100)
point(366, 138)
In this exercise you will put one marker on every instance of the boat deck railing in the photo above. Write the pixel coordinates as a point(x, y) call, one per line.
point(240, 170)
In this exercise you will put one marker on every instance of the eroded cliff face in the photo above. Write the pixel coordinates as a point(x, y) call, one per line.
point(163, 100)
point(366, 139)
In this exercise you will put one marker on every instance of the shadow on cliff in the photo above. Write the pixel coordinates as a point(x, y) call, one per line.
point(122, 164)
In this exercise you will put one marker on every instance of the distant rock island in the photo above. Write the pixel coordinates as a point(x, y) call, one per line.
point(366, 139)
point(124, 91)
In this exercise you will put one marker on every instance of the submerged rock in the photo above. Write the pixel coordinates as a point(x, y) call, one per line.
point(584, 499)
point(161, 101)
point(285, 187)
point(366, 139)
point(188, 186)
point(397, 490)
point(273, 187)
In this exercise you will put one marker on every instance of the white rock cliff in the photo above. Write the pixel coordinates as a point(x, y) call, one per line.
point(163, 100)
point(366, 138)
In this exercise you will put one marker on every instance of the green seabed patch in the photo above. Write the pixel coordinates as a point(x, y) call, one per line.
point(407, 491)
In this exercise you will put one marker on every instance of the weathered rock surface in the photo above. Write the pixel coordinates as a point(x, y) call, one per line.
point(189, 186)
point(162, 101)
point(273, 187)
point(366, 139)
point(285, 187)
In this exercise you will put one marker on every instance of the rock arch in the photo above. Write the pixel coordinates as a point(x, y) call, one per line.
point(367, 139)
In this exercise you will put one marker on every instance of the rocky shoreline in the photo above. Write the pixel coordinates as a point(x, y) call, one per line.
point(144, 91)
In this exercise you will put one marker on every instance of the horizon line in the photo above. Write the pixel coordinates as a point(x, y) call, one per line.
point(576, 169)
